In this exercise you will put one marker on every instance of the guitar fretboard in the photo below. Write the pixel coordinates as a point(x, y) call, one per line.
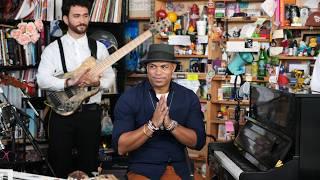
point(116, 56)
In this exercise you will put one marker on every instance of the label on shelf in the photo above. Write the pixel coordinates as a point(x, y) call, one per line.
point(192, 76)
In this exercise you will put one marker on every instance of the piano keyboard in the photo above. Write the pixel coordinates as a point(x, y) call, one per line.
point(228, 164)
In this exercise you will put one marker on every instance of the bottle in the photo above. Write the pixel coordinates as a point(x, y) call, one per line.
point(295, 48)
point(262, 64)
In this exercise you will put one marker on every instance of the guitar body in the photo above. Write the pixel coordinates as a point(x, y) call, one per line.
point(68, 101)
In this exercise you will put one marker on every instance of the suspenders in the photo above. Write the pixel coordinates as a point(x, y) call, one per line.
point(92, 46)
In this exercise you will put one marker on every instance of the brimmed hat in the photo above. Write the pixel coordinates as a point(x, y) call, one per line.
point(160, 52)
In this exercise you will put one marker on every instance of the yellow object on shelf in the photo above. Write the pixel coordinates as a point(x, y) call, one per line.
point(172, 16)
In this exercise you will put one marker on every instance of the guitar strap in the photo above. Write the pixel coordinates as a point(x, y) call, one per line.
point(92, 46)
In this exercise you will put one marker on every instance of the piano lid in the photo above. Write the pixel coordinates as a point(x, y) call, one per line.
point(262, 146)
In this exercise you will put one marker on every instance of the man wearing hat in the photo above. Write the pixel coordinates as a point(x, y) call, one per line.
point(156, 120)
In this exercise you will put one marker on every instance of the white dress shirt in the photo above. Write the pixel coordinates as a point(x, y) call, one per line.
point(75, 51)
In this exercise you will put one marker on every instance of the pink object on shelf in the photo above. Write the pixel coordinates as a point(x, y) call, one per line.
point(229, 126)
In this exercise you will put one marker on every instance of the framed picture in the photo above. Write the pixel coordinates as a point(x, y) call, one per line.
point(139, 9)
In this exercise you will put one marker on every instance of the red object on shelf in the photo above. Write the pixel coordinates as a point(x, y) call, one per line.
point(283, 79)
point(161, 14)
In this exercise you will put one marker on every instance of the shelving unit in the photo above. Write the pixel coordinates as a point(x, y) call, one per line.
point(38, 102)
point(299, 58)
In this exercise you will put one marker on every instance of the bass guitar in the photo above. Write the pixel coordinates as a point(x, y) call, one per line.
point(67, 102)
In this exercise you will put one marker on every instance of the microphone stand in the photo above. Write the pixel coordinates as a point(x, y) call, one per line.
point(17, 121)
point(32, 140)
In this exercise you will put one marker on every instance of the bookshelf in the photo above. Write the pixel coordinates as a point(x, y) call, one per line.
point(22, 69)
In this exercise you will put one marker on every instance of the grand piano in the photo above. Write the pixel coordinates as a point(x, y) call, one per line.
point(279, 141)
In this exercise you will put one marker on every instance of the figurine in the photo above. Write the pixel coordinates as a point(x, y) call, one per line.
point(282, 78)
point(194, 16)
point(313, 42)
point(220, 115)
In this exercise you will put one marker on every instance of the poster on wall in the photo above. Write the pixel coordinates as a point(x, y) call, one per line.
point(139, 9)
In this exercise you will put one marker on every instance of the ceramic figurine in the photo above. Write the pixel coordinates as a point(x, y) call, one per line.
point(313, 42)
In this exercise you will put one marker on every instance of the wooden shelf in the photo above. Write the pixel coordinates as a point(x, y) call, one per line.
point(254, 39)
point(230, 102)
point(300, 58)
point(140, 18)
point(16, 68)
point(197, 157)
point(227, 78)
point(178, 75)
point(183, 0)
point(222, 121)
point(202, 100)
point(300, 27)
point(190, 56)
point(242, 19)
point(219, 121)
point(137, 75)
point(22, 141)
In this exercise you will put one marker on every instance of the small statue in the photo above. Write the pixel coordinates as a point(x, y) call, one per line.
point(194, 16)
point(313, 42)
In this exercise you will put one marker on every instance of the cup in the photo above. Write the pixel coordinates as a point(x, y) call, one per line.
point(201, 27)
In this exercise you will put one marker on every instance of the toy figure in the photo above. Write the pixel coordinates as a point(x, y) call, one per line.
point(282, 78)
point(194, 17)
point(313, 42)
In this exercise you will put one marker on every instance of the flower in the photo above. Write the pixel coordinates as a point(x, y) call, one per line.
point(24, 39)
point(31, 28)
point(27, 32)
point(39, 25)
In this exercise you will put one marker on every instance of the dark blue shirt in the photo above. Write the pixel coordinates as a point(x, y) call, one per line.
point(135, 108)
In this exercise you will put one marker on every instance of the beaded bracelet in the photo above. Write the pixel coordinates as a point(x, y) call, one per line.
point(145, 131)
point(172, 125)
point(152, 127)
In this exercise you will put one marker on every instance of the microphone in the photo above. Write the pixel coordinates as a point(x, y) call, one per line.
point(29, 103)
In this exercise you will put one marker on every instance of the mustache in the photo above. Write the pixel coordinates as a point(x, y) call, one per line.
point(82, 25)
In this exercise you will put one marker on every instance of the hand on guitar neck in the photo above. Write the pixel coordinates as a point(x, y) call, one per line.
point(84, 79)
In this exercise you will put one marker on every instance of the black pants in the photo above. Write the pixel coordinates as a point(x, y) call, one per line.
point(74, 141)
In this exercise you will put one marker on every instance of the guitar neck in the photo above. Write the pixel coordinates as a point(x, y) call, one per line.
point(116, 56)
